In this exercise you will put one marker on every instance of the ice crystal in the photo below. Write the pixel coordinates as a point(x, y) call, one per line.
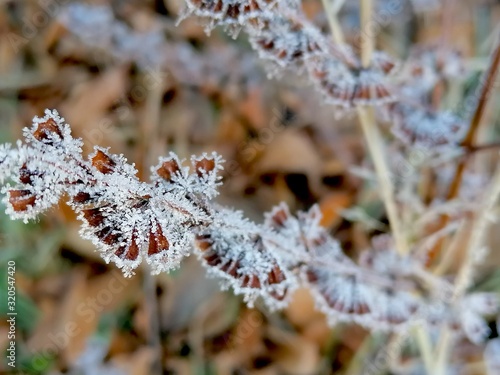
point(245, 256)
point(278, 30)
point(228, 12)
point(432, 130)
point(43, 169)
point(472, 310)
point(128, 220)
point(492, 356)
point(131, 221)
point(426, 66)
point(287, 41)
point(350, 87)
point(96, 26)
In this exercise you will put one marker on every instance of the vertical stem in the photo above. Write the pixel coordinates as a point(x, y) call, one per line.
point(443, 346)
point(331, 14)
point(482, 217)
point(373, 137)
point(367, 36)
point(154, 341)
point(425, 346)
point(477, 239)
point(487, 86)
point(148, 149)
point(375, 145)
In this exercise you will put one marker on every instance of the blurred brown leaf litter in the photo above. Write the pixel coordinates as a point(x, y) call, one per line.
point(76, 314)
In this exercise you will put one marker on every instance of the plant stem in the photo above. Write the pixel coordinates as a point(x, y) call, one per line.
point(373, 137)
point(425, 346)
point(375, 145)
point(367, 36)
point(478, 234)
point(488, 85)
point(442, 352)
point(331, 14)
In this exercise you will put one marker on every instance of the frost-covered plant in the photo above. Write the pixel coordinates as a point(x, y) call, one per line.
point(173, 216)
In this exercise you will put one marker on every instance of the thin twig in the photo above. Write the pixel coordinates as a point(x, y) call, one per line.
point(468, 142)
point(367, 36)
point(375, 145)
point(148, 148)
point(477, 239)
point(331, 15)
point(373, 137)
point(425, 346)
point(442, 350)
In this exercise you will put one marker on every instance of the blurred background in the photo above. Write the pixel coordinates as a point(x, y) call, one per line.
point(125, 77)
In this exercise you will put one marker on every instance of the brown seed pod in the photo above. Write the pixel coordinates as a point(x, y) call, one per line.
point(245, 275)
point(343, 294)
point(45, 131)
point(157, 242)
point(82, 198)
point(26, 175)
point(204, 165)
point(94, 216)
point(167, 169)
point(21, 200)
point(229, 12)
point(108, 235)
point(129, 252)
point(103, 162)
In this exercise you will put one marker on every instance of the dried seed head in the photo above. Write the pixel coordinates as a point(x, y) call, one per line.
point(204, 165)
point(157, 242)
point(229, 12)
point(46, 131)
point(82, 198)
point(341, 297)
point(25, 175)
point(103, 162)
point(431, 130)
point(167, 169)
point(129, 252)
point(93, 216)
point(108, 235)
point(244, 260)
point(203, 242)
point(287, 40)
point(21, 200)
point(278, 217)
point(383, 62)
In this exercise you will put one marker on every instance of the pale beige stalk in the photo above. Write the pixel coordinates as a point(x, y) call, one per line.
point(331, 11)
point(372, 134)
point(376, 148)
point(483, 219)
